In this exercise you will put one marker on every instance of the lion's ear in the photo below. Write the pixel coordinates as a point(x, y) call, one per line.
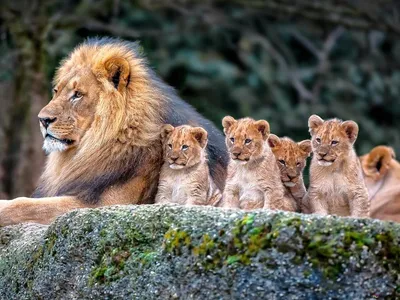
point(117, 71)
point(274, 142)
point(227, 122)
point(314, 122)
point(166, 131)
point(263, 127)
point(351, 129)
point(200, 135)
point(377, 163)
point(305, 146)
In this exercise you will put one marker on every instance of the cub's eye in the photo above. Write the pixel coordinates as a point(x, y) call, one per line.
point(333, 143)
point(232, 140)
point(298, 164)
point(318, 140)
point(282, 162)
point(169, 146)
point(247, 141)
point(76, 96)
point(55, 91)
point(185, 147)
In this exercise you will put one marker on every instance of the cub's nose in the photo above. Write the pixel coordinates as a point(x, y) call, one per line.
point(236, 154)
point(174, 158)
point(322, 154)
point(290, 177)
point(47, 121)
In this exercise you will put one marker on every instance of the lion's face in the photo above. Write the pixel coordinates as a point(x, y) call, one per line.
point(331, 139)
point(70, 113)
point(183, 146)
point(245, 138)
point(290, 156)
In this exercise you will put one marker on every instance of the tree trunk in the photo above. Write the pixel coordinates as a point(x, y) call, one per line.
point(23, 157)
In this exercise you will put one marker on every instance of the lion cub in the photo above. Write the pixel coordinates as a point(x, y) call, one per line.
point(336, 178)
point(185, 176)
point(253, 179)
point(292, 159)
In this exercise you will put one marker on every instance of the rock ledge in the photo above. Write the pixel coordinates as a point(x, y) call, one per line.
point(174, 252)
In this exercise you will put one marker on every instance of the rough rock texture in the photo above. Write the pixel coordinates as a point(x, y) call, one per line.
point(173, 252)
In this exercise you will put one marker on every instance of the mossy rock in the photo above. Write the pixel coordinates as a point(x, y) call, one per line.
point(174, 252)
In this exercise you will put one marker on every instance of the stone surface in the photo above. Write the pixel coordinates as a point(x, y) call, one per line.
point(173, 252)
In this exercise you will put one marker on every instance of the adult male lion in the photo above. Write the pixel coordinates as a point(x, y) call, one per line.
point(102, 133)
point(382, 178)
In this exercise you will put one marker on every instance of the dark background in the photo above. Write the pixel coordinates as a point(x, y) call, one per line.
point(277, 60)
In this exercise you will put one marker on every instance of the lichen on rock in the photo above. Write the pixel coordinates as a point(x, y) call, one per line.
point(175, 252)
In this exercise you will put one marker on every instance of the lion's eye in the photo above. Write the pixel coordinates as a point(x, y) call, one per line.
point(185, 147)
point(298, 164)
point(318, 140)
point(232, 139)
point(334, 143)
point(76, 96)
point(282, 162)
point(55, 91)
point(247, 141)
point(169, 146)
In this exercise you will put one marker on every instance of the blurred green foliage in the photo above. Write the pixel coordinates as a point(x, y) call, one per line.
point(229, 70)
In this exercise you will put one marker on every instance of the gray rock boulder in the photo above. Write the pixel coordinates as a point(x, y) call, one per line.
point(173, 252)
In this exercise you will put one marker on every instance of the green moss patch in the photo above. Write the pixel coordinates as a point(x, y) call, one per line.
point(328, 245)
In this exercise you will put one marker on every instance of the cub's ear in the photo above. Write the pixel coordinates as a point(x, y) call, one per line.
point(351, 129)
point(263, 127)
point(305, 146)
point(314, 122)
point(227, 122)
point(166, 131)
point(377, 163)
point(200, 135)
point(274, 142)
point(116, 70)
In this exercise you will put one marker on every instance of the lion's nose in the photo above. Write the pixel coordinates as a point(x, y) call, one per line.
point(47, 121)
point(290, 177)
point(236, 153)
point(174, 158)
point(322, 154)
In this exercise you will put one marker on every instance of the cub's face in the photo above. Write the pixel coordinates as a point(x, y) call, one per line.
point(245, 138)
point(290, 156)
point(184, 146)
point(332, 139)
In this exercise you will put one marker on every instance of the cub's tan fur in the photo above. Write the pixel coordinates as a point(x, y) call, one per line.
point(185, 176)
point(253, 179)
point(382, 178)
point(336, 181)
point(291, 158)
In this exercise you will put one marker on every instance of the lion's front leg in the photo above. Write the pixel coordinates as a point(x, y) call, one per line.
point(41, 210)
point(275, 199)
point(230, 197)
point(360, 203)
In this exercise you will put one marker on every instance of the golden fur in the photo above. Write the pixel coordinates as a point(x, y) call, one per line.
point(291, 158)
point(382, 178)
point(336, 181)
point(101, 130)
point(185, 176)
point(253, 179)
